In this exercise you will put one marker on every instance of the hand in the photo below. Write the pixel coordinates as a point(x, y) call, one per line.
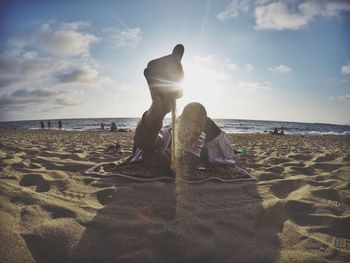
point(164, 76)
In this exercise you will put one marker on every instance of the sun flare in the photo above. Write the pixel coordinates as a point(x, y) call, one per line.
point(201, 85)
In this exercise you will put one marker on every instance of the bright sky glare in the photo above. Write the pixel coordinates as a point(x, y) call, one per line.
point(267, 60)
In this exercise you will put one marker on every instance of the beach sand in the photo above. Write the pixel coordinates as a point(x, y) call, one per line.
point(298, 210)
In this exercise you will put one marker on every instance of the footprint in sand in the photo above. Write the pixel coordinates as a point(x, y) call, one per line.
point(322, 183)
point(325, 158)
point(328, 167)
point(297, 207)
point(105, 195)
point(300, 157)
point(304, 170)
point(57, 211)
point(275, 169)
point(42, 185)
point(282, 189)
point(327, 193)
point(276, 161)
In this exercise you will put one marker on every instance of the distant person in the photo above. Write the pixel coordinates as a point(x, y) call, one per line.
point(282, 131)
point(42, 125)
point(114, 127)
point(274, 132)
point(102, 126)
point(60, 124)
point(49, 124)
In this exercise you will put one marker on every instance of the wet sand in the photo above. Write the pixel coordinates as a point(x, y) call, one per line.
point(298, 210)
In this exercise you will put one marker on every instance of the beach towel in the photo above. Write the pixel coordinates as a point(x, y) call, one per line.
point(137, 171)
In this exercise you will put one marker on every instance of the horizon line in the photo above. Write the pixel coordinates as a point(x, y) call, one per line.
point(218, 118)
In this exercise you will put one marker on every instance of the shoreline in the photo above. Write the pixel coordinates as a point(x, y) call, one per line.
point(133, 130)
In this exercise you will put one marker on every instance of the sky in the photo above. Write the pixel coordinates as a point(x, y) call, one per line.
point(263, 60)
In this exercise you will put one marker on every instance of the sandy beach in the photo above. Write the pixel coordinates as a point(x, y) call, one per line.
point(298, 210)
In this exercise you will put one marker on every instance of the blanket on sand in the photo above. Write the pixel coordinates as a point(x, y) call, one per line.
point(139, 172)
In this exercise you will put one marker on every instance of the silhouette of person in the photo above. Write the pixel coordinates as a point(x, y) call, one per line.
point(60, 124)
point(282, 131)
point(49, 124)
point(114, 127)
point(198, 137)
point(42, 125)
point(102, 126)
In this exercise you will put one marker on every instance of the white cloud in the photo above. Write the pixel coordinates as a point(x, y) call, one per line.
point(49, 68)
point(248, 67)
point(253, 87)
point(281, 16)
point(25, 68)
point(130, 37)
point(24, 98)
point(345, 69)
point(280, 69)
point(277, 16)
point(233, 9)
point(84, 75)
point(217, 69)
point(65, 40)
point(345, 97)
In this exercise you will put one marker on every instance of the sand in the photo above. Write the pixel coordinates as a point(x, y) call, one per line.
point(298, 210)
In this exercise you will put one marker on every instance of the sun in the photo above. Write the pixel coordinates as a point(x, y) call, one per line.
point(200, 85)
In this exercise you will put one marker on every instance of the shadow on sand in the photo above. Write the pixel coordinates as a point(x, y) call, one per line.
point(179, 222)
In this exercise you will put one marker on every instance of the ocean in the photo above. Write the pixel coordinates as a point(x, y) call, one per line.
point(228, 125)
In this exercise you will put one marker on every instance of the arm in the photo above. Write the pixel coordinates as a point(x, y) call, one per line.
point(211, 129)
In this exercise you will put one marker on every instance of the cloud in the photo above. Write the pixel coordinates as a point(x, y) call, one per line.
point(130, 37)
point(280, 69)
point(24, 98)
point(19, 68)
point(85, 75)
point(248, 67)
point(68, 59)
point(345, 97)
point(64, 40)
point(253, 87)
point(281, 16)
point(214, 68)
point(233, 9)
point(345, 69)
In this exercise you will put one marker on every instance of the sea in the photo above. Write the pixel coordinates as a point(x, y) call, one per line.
point(228, 125)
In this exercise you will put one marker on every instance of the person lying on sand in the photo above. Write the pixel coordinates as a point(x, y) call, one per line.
point(199, 139)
